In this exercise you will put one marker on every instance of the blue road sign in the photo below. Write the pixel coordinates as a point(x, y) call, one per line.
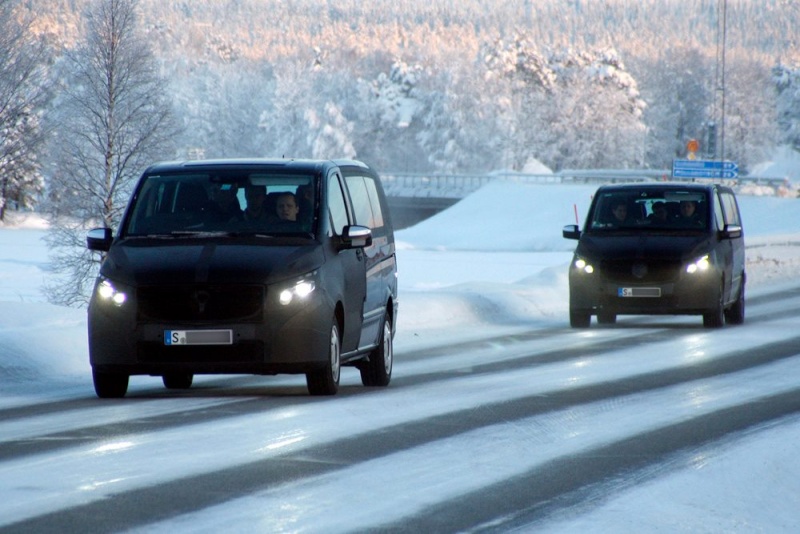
point(702, 168)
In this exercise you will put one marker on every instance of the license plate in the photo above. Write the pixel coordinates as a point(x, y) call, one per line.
point(198, 337)
point(639, 292)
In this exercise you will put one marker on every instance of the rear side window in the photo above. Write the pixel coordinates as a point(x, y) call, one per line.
point(366, 202)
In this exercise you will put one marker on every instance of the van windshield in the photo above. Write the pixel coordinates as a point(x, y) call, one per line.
point(650, 209)
point(229, 202)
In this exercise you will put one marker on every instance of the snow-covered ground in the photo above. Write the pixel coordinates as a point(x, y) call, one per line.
point(490, 263)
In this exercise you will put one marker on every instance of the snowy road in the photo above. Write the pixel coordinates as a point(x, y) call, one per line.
point(511, 431)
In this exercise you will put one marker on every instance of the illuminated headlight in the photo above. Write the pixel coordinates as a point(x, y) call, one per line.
point(108, 293)
point(300, 291)
point(583, 266)
point(699, 266)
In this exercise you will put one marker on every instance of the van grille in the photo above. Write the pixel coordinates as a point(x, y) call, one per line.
point(213, 303)
point(627, 271)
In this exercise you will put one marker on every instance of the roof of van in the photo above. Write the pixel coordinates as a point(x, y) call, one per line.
point(638, 186)
point(288, 163)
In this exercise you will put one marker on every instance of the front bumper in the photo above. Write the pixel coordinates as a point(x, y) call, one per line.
point(685, 295)
point(278, 339)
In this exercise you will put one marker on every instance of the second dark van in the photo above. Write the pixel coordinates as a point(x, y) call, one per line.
point(659, 248)
point(246, 266)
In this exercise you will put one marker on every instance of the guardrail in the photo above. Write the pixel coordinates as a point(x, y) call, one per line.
point(425, 185)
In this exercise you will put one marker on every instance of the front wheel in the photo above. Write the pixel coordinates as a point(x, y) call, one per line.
point(326, 380)
point(606, 318)
point(579, 319)
point(377, 369)
point(178, 380)
point(109, 385)
point(735, 314)
point(715, 318)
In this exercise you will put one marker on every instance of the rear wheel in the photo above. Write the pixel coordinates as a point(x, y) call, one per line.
point(326, 380)
point(377, 370)
point(109, 385)
point(178, 380)
point(579, 319)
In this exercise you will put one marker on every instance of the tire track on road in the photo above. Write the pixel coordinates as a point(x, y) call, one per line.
point(193, 493)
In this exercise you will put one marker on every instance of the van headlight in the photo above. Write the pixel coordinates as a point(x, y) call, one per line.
point(700, 265)
point(297, 292)
point(582, 265)
point(108, 292)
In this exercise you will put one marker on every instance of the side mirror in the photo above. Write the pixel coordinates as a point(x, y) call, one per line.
point(99, 239)
point(571, 231)
point(731, 231)
point(356, 236)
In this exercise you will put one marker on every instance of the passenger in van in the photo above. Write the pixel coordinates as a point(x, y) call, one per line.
point(660, 215)
point(619, 213)
point(286, 207)
point(688, 216)
point(226, 204)
point(256, 196)
point(305, 202)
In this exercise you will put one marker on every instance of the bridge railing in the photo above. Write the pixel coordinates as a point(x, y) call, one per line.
point(440, 185)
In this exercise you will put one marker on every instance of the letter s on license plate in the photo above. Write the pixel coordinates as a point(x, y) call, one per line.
point(198, 337)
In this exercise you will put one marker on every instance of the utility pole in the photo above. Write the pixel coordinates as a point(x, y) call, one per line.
point(528, 14)
point(724, 37)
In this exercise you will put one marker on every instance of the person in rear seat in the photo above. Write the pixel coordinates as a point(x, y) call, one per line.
point(286, 207)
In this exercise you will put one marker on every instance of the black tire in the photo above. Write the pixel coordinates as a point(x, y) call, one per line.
point(606, 318)
point(178, 380)
point(110, 385)
point(326, 380)
point(735, 314)
point(715, 318)
point(377, 369)
point(579, 319)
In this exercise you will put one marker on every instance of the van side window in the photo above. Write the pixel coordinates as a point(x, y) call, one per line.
point(336, 205)
point(366, 204)
point(731, 210)
point(718, 212)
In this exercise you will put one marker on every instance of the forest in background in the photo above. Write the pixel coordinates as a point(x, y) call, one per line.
point(92, 91)
point(468, 85)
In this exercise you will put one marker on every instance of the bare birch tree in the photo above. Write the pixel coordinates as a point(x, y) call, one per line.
point(115, 121)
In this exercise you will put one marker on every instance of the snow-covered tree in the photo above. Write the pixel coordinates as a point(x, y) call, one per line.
point(786, 81)
point(568, 109)
point(599, 119)
point(22, 71)
point(750, 113)
point(389, 114)
point(114, 122)
point(21, 181)
point(329, 133)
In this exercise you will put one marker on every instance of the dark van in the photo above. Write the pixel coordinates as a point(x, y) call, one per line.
point(659, 248)
point(246, 267)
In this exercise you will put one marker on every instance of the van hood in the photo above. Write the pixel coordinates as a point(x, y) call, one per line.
point(652, 246)
point(140, 262)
